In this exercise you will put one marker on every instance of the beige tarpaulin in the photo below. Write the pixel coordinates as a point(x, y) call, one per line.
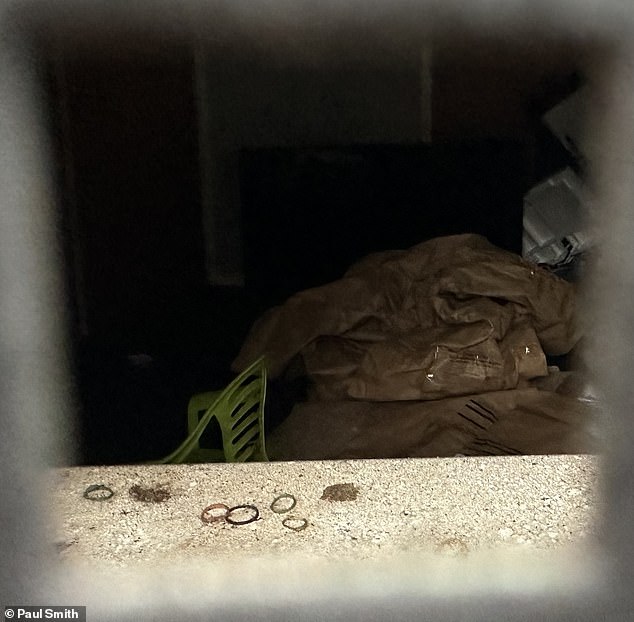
point(519, 421)
point(451, 316)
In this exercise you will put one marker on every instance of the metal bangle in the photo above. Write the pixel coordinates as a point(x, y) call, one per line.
point(303, 523)
point(256, 514)
point(284, 495)
point(94, 488)
point(208, 517)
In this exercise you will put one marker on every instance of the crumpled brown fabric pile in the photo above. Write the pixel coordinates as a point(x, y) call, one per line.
point(501, 423)
point(451, 316)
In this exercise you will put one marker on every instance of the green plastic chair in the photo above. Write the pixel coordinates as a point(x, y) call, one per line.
point(239, 411)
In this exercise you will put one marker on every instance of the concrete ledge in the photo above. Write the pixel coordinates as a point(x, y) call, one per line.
point(449, 507)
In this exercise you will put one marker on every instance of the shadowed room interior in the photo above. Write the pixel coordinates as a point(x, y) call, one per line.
point(201, 185)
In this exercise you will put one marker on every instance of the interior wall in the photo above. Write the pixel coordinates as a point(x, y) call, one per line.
point(252, 103)
point(491, 88)
point(125, 130)
point(480, 89)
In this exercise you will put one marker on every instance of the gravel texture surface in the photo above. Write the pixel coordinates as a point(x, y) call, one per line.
point(450, 507)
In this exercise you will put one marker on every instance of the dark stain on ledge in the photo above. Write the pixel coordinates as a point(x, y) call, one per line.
point(340, 492)
point(150, 495)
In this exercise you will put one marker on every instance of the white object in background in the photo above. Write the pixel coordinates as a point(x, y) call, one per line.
point(568, 121)
point(554, 220)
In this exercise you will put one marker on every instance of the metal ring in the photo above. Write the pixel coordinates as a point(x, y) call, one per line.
point(284, 495)
point(207, 516)
point(95, 488)
point(289, 519)
point(256, 514)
